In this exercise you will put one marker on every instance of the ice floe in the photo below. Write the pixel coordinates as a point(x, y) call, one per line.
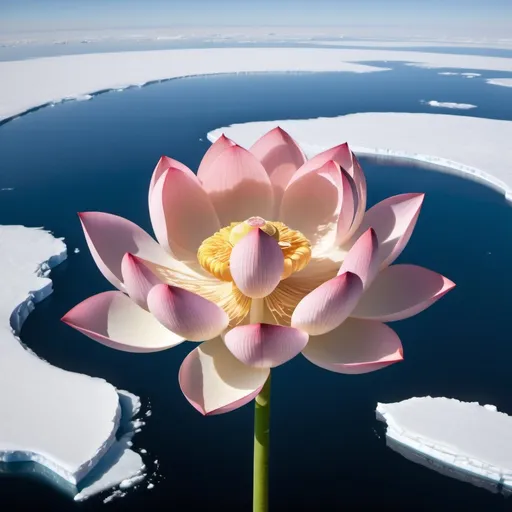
point(471, 147)
point(504, 82)
point(447, 104)
point(467, 75)
point(467, 441)
point(83, 97)
point(66, 422)
point(76, 76)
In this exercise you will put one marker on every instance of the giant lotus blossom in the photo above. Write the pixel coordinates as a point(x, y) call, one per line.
point(261, 255)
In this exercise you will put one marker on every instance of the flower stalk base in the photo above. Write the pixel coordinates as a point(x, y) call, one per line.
point(261, 449)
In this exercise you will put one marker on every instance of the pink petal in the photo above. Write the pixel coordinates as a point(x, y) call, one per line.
point(281, 156)
point(349, 207)
point(163, 164)
point(112, 319)
point(186, 313)
point(312, 205)
point(137, 279)
point(340, 154)
point(265, 345)
point(257, 264)
point(360, 186)
point(346, 160)
point(393, 220)
point(213, 152)
point(110, 237)
point(356, 346)
point(327, 306)
point(182, 214)
point(238, 186)
point(214, 381)
point(402, 291)
point(363, 258)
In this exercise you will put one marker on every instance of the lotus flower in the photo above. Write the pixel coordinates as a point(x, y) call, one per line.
point(261, 255)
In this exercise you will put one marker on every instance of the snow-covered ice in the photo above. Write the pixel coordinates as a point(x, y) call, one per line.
point(75, 76)
point(77, 250)
point(130, 482)
point(119, 464)
point(30, 426)
point(115, 495)
point(66, 422)
point(447, 104)
point(471, 147)
point(412, 43)
point(83, 97)
point(504, 82)
point(468, 441)
point(360, 35)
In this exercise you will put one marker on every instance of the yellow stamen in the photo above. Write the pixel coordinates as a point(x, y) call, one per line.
point(214, 253)
point(213, 256)
point(241, 229)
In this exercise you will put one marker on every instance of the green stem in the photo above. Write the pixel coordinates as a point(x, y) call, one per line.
point(261, 444)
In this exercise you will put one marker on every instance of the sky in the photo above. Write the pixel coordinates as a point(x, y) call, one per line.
point(463, 17)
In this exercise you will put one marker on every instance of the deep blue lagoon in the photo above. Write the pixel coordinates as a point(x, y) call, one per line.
point(328, 451)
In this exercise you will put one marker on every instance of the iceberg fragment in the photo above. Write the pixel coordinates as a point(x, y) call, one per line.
point(504, 82)
point(448, 104)
point(36, 419)
point(464, 440)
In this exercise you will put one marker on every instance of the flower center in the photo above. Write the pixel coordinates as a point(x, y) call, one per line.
point(214, 253)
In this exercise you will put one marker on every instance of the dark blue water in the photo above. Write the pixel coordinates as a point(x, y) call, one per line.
point(327, 449)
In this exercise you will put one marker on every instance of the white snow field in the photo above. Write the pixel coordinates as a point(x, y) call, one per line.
point(504, 82)
point(467, 441)
point(448, 104)
point(471, 147)
point(77, 76)
point(370, 35)
point(64, 421)
point(414, 43)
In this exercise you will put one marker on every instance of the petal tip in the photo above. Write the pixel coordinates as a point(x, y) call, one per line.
point(450, 285)
point(420, 196)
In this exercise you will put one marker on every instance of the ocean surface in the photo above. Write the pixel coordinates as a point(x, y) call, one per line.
point(328, 452)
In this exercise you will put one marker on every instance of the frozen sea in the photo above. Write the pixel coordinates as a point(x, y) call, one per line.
point(328, 450)
point(27, 49)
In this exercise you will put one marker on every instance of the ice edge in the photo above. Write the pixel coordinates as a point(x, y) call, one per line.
point(434, 453)
point(17, 319)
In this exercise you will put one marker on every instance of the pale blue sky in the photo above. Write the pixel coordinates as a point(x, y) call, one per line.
point(474, 16)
